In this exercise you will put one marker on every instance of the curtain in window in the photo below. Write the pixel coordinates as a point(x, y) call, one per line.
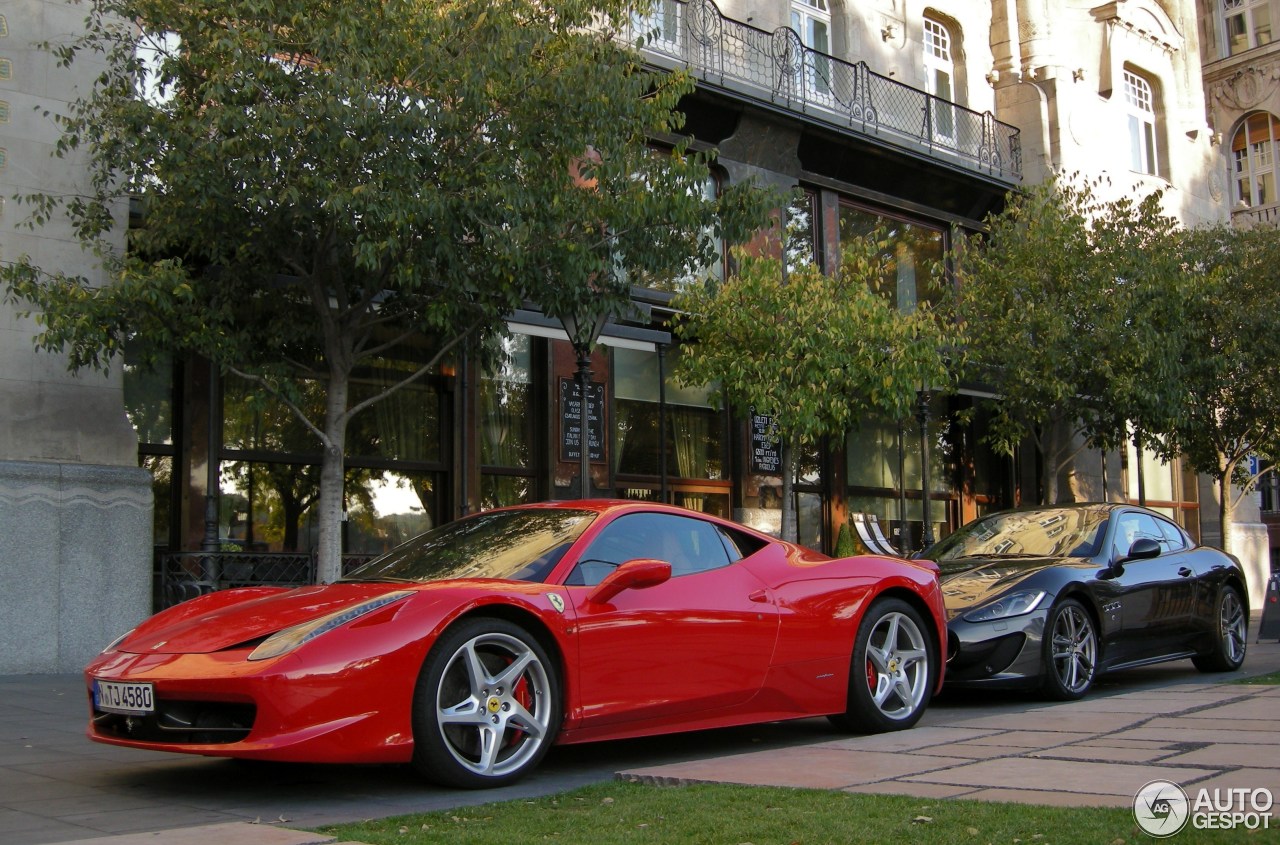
point(690, 429)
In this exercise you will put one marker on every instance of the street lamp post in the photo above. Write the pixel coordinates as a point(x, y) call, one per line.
point(922, 415)
point(583, 333)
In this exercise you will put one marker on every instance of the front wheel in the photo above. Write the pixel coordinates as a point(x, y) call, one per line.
point(1070, 651)
point(1230, 635)
point(893, 670)
point(487, 706)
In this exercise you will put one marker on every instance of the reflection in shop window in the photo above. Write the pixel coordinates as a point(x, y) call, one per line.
point(802, 233)
point(506, 424)
point(694, 442)
point(386, 508)
point(910, 275)
point(148, 399)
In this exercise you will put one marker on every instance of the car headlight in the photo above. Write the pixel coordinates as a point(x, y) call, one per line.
point(283, 642)
point(1011, 604)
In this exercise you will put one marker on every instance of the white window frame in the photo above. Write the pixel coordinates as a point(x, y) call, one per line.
point(1140, 107)
point(1244, 24)
point(1253, 163)
point(811, 19)
point(940, 74)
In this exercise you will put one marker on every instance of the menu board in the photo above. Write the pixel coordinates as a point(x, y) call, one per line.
point(766, 453)
point(571, 421)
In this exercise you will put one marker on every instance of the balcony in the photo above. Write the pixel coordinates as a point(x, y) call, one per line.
point(1262, 216)
point(777, 69)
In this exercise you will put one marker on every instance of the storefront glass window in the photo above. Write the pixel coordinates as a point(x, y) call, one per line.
point(693, 444)
point(917, 249)
point(506, 428)
point(148, 400)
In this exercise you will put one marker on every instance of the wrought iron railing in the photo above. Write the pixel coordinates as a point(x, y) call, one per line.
point(185, 575)
point(777, 68)
point(1263, 216)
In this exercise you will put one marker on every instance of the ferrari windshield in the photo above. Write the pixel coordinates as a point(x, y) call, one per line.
point(1048, 532)
point(518, 545)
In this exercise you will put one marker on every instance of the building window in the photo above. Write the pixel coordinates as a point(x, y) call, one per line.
point(908, 279)
point(1167, 487)
point(508, 470)
point(1245, 24)
point(1140, 103)
point(1253, 160)
point(939, 69)
point(667, 435)
point(812, 20)
point(659, 26)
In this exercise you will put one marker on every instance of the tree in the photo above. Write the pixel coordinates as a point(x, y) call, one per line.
point(1066, 308)
point(1229, 370)
point(329, 186)
point(818, 351)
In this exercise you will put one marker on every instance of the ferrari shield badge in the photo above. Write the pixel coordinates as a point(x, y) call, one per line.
point(556, 602)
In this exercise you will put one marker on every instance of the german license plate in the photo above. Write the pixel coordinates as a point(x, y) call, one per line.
point(120, 697)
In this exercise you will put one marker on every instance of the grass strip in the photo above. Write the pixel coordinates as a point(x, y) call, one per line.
point(636, 814)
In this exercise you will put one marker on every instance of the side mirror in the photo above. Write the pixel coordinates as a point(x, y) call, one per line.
point(632, 575)
point(1143, 548)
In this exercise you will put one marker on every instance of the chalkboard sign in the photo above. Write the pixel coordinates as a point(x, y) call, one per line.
point(571, 421)
point(766, 456)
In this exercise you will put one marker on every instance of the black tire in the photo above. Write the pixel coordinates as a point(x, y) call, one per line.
point(893, 670)
point(1230, 634)
point(487, 706)
point(1070, 651)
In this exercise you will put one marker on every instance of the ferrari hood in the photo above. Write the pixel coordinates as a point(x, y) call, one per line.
point(221, 620)
point(972, 581)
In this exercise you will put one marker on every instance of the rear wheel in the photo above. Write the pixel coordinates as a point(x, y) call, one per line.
point(1231, 634)
point(1070, 651)
point(893, 670)
point(487, 706)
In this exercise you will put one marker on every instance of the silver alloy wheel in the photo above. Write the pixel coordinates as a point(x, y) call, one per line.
point(1233, 626)
point(1074, 649)
point(897, 665)
point(493, 704)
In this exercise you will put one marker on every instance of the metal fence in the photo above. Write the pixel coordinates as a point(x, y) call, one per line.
point(185, 575)
point(777, 68)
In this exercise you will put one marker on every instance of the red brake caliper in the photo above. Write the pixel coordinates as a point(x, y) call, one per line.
point(872, 675)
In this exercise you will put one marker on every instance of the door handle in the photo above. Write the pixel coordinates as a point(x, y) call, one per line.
point(1185, 572)
point(760, 596)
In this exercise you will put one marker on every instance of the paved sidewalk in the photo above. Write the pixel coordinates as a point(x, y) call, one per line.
point(1167, 722)
point(1099, 751)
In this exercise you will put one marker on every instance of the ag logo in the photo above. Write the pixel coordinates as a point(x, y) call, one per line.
point(1161, 808)
point(556, 602)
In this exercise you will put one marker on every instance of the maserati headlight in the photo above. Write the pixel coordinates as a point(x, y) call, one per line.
point(1010, 604)
point(283, 642)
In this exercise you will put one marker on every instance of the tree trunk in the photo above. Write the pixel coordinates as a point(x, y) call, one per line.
point(1226, 506)
point(330, 506)
point(790, 526)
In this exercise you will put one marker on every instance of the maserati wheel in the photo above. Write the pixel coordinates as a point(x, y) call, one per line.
point(1231, 634)
point(1070, 651)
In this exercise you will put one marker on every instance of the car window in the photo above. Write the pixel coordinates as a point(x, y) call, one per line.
point(689, 545)
point(1131, 527)
point(1174, 539)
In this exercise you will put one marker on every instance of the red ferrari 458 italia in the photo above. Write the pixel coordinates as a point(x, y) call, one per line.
point(472, 649)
